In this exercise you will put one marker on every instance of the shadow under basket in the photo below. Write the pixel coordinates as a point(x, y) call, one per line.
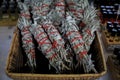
point(114, 69)
point(17, 70)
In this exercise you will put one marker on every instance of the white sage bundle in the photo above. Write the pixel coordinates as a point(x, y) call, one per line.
point(89, 35)
point(78, 45)
point(56, 39)
point(58, 12)
point(92, 23)
point(76, 7)
point(60, 8)
point(51, 32)
point(46, 6)
point(73, 35)
point(24, 10)
point(47, 48)
point(54, 35)
point(43, 6)
point(23, 25)
point(28, 45)
point(36, 8)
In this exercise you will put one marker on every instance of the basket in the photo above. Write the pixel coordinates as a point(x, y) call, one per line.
point(114, 69)
point(15, 63)
point(109, 41)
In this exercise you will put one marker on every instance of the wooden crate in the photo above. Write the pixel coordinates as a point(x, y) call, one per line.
point(15, 63)
point(114, 69)
point(109, 41)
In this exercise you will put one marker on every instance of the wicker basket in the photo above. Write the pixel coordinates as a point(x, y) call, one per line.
point(114, 69)
point(15, 63)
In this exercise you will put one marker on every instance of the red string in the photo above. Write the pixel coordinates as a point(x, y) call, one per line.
point(45, 5)
point(53, 55)
point(76, 38)
point(82, 54)
point(54, 32)
point(82, 24)
point(55, 44)
point(43, 41)
point(89, 32)
point(25, 15)
point(25, 33)
point(73, 10)
point(39, 35)
point(77, 45)
point(32, 52)
point(71, 3)
point(28, 41)
point(46, 26)
point(70, 32)
point(48, 50)
point(26, 28)
point(59, 4)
